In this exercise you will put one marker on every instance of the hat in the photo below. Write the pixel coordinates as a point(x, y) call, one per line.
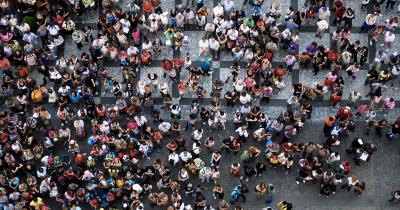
point(360, 141)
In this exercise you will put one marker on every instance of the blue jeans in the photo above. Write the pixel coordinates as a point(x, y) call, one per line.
point(270, 197)
point(393, 199)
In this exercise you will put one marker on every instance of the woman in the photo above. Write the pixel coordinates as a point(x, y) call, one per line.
point(336, 98)
point(348, 18)
point(79, 126)
point(215, 158)
point(260, 189)
point(218, 192)
point(235, 169)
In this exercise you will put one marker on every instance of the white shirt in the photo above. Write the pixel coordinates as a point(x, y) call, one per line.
point(140, 121)
point(64, 91)
point(173, 156)
point(242, 132)
point(323, 25)
point(53, 30)
point(350, 181)
point(218, 10)
point(147, 46)
point(290, 60)
point(185, 156)
point(132, 51)
point(334, 158)
point(176, 111)
point(164, 126)
point(214, 44)
point(197, 135)
point(245, 99)
point(389, 37)
point(204, 44)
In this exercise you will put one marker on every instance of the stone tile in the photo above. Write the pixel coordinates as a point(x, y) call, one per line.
point(307, 37)
point(362, 37)
point(224, 73)
point(287, 91)
point(195, 37)
point(167, 5)
point(357, 84)
point(273, 111)
point(90, 16)
point(394, 48)
point(161, 79)
point(205, 82)
point(166, 52)
point(360, 14)
point(392, 91)
point(284, 6)
point(307, 77)
point(216, 64)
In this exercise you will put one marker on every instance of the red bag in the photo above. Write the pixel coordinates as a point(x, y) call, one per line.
point(328, 82)
point(333, 56)
point(230, 44)
point(147, 6)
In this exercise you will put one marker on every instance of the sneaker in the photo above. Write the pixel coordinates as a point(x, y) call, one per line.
point(297, 182)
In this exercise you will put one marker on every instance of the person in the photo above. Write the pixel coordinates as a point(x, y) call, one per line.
point(395, 196)
point(284, 205)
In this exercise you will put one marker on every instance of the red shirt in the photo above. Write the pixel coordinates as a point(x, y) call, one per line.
point(59, 20)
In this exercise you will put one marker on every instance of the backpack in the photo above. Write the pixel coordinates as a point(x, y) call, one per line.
point(37, 96)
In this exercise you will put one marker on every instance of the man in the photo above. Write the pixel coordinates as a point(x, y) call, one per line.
point(370, 21)
point(175, 111)
point(395, 196)
point(355, 146)
point(322, 26)
point(290, 60)
point(205, 65)
point(388, 40)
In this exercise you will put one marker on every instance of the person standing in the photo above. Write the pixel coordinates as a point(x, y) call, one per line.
point(78, 37)
point(395, 196)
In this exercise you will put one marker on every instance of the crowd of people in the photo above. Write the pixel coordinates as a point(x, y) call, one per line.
point(91, 154)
